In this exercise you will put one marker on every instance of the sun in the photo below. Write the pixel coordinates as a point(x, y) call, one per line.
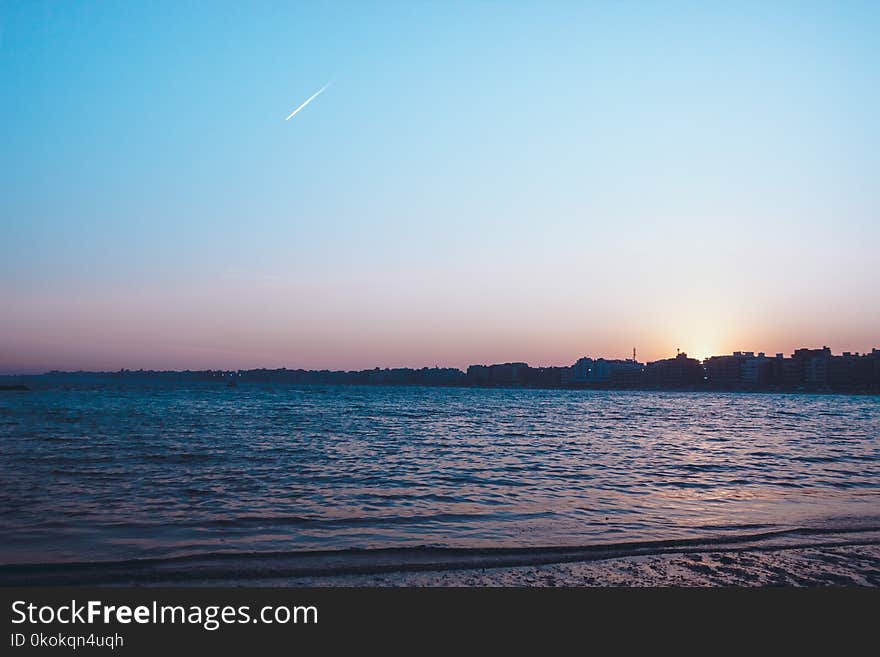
point(702, 351)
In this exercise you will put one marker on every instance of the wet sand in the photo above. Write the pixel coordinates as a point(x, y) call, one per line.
point(851, 565)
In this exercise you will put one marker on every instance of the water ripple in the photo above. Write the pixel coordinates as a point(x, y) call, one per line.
point(109, 472)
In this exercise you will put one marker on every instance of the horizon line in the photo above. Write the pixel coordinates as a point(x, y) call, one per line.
point(740, 353)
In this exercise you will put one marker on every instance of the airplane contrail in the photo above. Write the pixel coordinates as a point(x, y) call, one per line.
point(310, 99)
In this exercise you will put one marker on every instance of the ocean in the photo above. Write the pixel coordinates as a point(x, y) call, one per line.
point(108, 480)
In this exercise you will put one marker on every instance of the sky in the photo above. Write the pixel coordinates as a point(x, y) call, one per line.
point(481, 182)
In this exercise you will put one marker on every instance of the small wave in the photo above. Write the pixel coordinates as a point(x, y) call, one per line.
point(204, 568)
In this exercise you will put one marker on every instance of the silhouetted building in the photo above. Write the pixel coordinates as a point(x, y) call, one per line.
point(791, 372)
point(806, 369)
point(726, 371)
point(602, 371)
point(854, 370)
point(504, 374)
point(678, 372)
point(742, 369)
point(846, 370)
point(546, 377)
point(756, 370)
point(433, 376)
point(812, 365)
point(580, 371)
point(477, 375)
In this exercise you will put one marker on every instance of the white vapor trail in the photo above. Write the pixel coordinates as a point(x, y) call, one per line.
point(310, 99)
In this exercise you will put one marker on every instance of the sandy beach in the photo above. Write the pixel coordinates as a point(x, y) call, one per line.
point(849, 565)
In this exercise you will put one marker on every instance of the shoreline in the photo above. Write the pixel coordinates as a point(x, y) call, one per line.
point(815, 566)
point(18, 384)
point(797, 556)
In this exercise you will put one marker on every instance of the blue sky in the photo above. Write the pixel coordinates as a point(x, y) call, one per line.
point(481, 181)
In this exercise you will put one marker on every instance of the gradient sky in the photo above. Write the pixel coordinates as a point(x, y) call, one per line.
point(482, 182)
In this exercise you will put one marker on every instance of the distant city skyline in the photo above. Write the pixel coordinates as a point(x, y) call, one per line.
point(804, 370)
point(632, 357)
point(481, 182)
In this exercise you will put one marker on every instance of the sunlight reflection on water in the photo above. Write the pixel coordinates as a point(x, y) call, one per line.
point(111, 471)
